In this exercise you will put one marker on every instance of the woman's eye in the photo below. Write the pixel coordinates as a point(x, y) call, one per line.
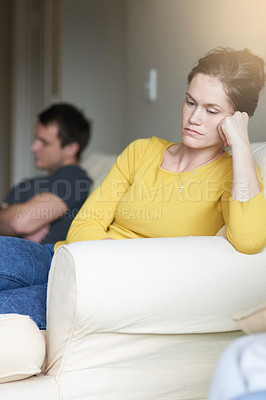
point(212, 111)
point(190, 103)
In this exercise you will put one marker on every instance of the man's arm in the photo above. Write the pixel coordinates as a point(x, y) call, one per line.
point(23, 219)
point(39, 235)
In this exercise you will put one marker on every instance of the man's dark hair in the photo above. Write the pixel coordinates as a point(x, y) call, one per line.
point(73, 126)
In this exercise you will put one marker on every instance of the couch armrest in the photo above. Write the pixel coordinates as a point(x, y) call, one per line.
point(156, 286)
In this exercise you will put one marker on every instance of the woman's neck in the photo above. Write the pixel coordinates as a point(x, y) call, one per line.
point(188, 159)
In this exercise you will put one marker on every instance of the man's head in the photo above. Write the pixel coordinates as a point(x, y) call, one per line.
point(62, 132)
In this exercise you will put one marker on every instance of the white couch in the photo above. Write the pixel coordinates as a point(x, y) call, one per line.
point(142, 319)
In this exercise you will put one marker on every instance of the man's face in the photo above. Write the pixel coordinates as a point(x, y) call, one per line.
point(47, 148)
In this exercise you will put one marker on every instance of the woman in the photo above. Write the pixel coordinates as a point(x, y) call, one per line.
point(162, 189)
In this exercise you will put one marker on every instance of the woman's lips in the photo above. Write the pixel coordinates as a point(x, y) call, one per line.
point(192, 132)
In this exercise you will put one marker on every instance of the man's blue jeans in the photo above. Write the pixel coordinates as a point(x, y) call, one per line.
point(24, 269)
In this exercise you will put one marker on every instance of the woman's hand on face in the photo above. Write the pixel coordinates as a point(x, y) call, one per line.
point(234, 128)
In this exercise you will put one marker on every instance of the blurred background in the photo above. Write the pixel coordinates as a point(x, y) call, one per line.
point(102, 56)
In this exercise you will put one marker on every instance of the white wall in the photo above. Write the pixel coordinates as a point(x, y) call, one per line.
point(29, 82)
point(92, 66)
point(170, 35)
point(105, 49)
point(5, 84)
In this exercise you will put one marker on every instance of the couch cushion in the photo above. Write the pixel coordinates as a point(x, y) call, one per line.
point(22, 347)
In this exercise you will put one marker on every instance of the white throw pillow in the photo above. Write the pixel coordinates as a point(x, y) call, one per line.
point(22, 347)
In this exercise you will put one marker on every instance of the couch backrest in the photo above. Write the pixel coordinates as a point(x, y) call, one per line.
point(97, 166)
point(259, 152)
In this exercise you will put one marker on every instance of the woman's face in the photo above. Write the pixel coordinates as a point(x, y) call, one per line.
point(205, 106)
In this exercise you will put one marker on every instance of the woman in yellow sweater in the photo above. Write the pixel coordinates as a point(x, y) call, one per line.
point(162, 189)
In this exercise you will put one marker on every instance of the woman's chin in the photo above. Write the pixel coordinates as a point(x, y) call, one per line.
point(191, 141)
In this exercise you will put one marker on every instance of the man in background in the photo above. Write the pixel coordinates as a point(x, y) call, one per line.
point(42, 208)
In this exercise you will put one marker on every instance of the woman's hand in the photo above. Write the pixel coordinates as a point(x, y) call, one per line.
point(234, 132)
point(234, 129)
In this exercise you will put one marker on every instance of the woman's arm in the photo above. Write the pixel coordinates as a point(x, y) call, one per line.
point(98, 211)
point(245, 212)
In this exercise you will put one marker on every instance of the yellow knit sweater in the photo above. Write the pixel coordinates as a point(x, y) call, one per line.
point(139, 199)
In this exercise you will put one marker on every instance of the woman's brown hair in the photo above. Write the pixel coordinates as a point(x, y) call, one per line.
point(241, 73)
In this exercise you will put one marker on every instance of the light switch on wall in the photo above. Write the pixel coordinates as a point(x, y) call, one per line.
point(150, 86)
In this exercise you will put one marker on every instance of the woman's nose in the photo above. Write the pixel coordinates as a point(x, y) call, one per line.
point(196, 116)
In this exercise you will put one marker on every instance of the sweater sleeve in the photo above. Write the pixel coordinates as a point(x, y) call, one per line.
point(98, 211)
point(245, 222)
